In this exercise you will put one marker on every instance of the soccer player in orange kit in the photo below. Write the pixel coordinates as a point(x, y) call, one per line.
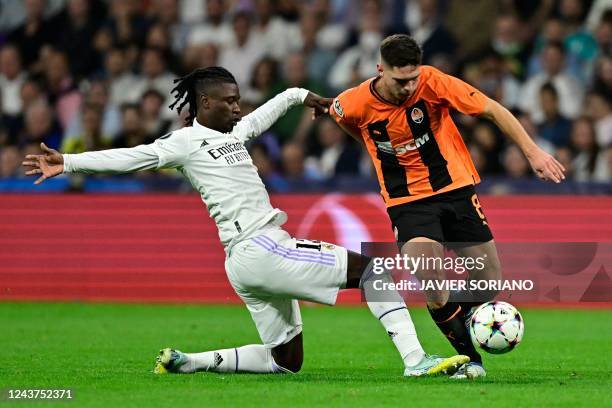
point(426, 174)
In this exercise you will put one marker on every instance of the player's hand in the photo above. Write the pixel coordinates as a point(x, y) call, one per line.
point(545, 166)
point(49, 164)
point(319, 103)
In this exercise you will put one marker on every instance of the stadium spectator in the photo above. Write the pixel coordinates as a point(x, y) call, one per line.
point(30, 92)
point(489, 144)
point(479, 158)
point(602, 81)
point(166, 13)
point(565, 156)
point(552, 31)
point(154, 75)
point(587, 157)
point(97, 94)
point(319, 60)
point(214, 29)
point(241, 55)
point(331, 35)
point(515, 164)
point(603, 33)
point(10, 161)
point(265, 73)
point(581, 45)
point(63, 92)
point(57, 49)
point(159, 38)
point(289, 10)
point(359, 61)
point(78, 28)
point(570, 89)
point(118, 76)
point(11, 80)
point(91, 136)
point(509, 41)
point(126, 23)
point(4, 134)
point(200, 56)
point(154, 122)
point(599, 109)
point(294, 166)
point(298, 121)
point(472, 30)
point(338, 156)
point(532, 130)
point(267, 169)
point(34, 33)
point(132, 132)
point(555, 127)
point(428, 30)
point(40, 125)
point(496, 82)
point(276, 36)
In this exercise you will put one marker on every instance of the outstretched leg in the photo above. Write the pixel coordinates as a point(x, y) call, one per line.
point(445, 312)
point(390, 309)
point(253, 358)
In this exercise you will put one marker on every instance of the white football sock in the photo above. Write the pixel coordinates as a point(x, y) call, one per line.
point(254, 358)
point(389, 307)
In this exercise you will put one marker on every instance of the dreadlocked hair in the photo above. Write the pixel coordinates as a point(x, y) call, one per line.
point(191, 85)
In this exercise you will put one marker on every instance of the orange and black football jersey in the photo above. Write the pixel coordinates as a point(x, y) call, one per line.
point(415, 147)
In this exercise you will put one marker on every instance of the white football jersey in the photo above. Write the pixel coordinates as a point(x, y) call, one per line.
point(216, 164)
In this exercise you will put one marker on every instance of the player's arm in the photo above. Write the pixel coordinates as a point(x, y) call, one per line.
point(352, 131)
point(166, 152)
point(468, 100)
point(338, 114)
point(544, 165)
point(260, 120)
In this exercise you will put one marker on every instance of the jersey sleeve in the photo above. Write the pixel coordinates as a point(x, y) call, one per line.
point(172, 149)
point(457, 94)
point(125, 160)
point(169, 151)
point(260, 120)
point(341, 109)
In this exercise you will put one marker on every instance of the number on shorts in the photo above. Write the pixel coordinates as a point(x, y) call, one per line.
point(478, 207)
point(308, 244)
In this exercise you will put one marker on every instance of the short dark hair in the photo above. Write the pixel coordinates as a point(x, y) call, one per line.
point(558, 45)
point(549, 87)
point(399, 50)
point(197, 82)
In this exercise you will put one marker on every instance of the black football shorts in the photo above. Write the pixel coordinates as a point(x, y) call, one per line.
point(453, 217)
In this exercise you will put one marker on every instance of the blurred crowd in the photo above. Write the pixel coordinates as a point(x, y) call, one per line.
point(94, 74)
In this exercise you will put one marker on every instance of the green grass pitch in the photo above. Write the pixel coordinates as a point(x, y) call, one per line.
point(105, 353)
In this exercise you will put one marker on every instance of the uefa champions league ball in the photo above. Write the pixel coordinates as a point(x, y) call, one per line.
point(497, 327)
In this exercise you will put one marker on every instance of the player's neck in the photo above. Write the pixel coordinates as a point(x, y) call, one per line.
point(382, 92)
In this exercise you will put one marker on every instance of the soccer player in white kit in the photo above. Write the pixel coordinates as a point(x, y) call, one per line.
point(267, 268)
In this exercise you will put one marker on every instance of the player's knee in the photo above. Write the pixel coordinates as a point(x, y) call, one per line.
point(494, 270)
point(291, 362)
point(294, 365)
point(290, 356)
point(430, 274)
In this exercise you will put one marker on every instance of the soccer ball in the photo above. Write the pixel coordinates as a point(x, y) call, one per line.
point(497, 327)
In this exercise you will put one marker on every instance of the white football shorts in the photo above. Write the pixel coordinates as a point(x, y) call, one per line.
point(272, 271)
